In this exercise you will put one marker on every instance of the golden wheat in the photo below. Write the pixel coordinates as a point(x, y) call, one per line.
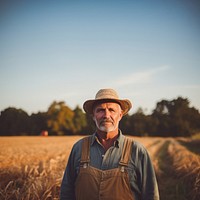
point(186, 166)
point(32, 167)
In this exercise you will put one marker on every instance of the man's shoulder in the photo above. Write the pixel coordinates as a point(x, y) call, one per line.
point(80, 141)
point(135, 144)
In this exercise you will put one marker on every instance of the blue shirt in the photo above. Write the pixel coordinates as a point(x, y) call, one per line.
point(140, 169)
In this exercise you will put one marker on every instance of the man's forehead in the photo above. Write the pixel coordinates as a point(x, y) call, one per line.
point(106, 104)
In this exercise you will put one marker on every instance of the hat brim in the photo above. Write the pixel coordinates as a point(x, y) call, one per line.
point(125, 104)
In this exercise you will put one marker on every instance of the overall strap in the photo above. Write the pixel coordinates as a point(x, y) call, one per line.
point(85, 155)
point(126, 152)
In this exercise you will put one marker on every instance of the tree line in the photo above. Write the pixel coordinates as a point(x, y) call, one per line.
point(169, 119)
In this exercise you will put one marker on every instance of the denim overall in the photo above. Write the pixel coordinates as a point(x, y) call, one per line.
point(96, 184)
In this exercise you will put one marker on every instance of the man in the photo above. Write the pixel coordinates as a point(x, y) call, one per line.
point(108, 165)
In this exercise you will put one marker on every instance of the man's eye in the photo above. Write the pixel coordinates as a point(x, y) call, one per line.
point(100, 110)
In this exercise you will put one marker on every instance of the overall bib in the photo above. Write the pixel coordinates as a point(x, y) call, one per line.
point(96, 184)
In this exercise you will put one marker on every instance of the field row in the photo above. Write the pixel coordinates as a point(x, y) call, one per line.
point(177, 167)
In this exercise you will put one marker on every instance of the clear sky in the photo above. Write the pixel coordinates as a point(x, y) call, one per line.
point(68, 50)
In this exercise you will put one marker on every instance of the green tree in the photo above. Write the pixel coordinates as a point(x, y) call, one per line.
point(125, 125)
point(79, 120)
point(137, 123)
point(185, 119)
point(38, 123)
point(162, 119)
point(60, 119)
point(14, 122)
point(176, 118)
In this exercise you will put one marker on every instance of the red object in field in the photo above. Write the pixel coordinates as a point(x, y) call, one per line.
point(44, 133)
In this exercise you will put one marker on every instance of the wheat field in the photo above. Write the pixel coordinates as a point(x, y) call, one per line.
point(31, 168)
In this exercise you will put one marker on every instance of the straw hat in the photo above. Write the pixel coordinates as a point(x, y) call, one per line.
point(107, 95)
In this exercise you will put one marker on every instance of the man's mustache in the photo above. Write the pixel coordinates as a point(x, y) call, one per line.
point(106, 120)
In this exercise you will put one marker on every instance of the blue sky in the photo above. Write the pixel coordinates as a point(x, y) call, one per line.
point(68, 50)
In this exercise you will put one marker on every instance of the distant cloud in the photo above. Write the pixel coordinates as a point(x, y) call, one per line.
point(139, 77)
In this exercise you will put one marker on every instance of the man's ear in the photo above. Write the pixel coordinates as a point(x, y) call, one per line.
point(93, 117)
point(121, 114)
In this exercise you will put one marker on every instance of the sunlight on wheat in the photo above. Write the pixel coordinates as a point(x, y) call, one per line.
point(31, 168)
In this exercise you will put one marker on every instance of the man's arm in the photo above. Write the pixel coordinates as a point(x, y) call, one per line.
point(149, 182)
point(67, 191)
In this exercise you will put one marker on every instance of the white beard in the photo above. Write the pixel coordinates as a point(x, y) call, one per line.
point(106, 129)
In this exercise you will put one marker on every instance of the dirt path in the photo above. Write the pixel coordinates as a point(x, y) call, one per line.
point(172, 184)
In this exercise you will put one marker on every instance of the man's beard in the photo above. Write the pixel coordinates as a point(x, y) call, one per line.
point(104, 128)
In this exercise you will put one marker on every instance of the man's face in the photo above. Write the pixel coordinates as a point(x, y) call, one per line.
point(107, 116)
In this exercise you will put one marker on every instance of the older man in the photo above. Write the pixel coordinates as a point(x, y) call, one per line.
point(107, 165)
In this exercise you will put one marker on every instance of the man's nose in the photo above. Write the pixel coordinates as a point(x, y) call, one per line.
point(106, 113)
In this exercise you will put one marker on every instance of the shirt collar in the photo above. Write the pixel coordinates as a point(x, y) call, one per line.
point(119, 141)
